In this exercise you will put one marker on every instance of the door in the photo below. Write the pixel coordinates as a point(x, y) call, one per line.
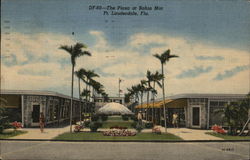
point(196, 116)
point(36, 113)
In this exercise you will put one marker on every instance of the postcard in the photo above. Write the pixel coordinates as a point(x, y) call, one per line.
point(115, 71)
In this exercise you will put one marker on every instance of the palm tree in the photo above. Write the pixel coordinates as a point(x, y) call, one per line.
point(135, 89)
point(96, 87)
point(75, 51)
point(142, 89)
point(85, 93)
point(148, 89)
point(80, 75)
point(131, 94)
point(89, 74)
point(157, 77)
point(164, 57)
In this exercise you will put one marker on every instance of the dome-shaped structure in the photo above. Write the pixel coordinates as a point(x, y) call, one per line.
point(114, 109)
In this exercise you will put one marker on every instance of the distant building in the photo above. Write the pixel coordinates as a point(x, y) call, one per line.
point(194, 110)
point(25, 106)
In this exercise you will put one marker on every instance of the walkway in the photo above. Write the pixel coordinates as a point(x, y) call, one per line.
point(188, 134)
point(184, 133)
point(35, 133)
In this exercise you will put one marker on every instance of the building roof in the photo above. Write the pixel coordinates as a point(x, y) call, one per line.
point(159, 102)
point(35, 92)
point(205, 95)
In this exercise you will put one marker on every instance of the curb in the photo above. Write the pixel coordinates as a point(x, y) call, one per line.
point(142, 141)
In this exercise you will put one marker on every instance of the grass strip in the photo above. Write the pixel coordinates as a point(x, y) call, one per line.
point(228, 137)
point(99, 136)
point(8, 134)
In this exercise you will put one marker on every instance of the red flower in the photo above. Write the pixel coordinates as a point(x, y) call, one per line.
point(218, 129)
point(16, 125)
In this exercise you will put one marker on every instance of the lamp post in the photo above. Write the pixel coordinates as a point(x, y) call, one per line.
point(119, 91)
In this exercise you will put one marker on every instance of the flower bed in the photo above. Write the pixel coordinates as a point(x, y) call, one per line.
point(16, 125)
point(218, 129)
point(119, 132)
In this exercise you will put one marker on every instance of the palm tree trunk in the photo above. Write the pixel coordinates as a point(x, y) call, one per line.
point(80, 98)
point(147, 106)
point(86, 90)
point(163, 94)
point(153, 118)
point(141, 100)
point(92, 94)
point(71, 102)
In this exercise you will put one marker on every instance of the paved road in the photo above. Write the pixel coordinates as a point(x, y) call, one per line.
point(20, 150)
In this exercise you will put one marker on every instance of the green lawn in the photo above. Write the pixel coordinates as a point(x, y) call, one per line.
point(116, 121)
point(227, 137)
point(108, 124)
point(8, 134)
point(99, 136)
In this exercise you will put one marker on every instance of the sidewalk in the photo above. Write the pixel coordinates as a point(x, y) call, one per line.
point(50, 133)
point(188, 134)
point(35, 133)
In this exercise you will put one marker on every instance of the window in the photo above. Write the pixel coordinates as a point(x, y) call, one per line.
point(213, 103)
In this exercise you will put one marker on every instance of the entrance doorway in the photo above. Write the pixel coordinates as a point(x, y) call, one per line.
point(196, 116)
point(36, 113)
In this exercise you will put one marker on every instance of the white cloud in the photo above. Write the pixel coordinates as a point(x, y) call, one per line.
point(126, 62)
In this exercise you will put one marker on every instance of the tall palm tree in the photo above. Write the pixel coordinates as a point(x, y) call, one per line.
point(157, 77)
point(142, 89)
point(164, 57)
point(135, 89)
point(75, 51)
point(96, 87)
point(85, 93)
point(148, 89)
point(80, 75)
point(90, 74)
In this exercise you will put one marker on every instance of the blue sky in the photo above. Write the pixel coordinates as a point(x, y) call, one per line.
point(225, 23)
point(203, 33)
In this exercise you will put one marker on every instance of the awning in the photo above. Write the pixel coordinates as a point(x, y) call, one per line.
point(158, 104)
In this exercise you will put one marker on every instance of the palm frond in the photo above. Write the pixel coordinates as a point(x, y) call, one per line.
point(67, 48)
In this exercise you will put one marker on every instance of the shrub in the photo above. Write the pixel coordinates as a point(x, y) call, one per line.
point(134, 124)
point(125, 117)
point(4, 120)
point(133, 117)
point(1, 129)
point(104, 117)
point(94, 117)
point(118, 127)
point(99, 124)
point(149, 125)
point(86, 123)
point(139, 127)
point(94, 126)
